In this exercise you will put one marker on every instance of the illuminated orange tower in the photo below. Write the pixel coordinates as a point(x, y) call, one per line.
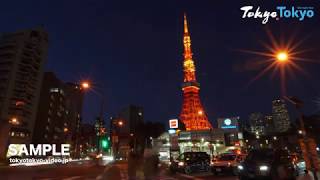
point(192, 114)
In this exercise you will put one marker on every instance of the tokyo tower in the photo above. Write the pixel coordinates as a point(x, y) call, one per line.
point(192, 113)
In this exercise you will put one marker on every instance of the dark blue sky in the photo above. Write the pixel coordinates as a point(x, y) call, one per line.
point(133, 51)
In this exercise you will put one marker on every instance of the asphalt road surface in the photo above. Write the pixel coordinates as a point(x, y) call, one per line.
point(89, 171)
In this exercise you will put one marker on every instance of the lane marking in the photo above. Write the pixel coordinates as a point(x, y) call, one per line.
point(189, 177)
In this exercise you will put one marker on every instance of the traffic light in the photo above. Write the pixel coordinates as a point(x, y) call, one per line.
point(105, 143)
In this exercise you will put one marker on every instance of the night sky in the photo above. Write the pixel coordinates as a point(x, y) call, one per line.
point(132, 51)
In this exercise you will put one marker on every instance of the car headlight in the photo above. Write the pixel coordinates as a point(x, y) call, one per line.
point(240, 167)
point(263, 168)
point(229, 163)
point(181, 164)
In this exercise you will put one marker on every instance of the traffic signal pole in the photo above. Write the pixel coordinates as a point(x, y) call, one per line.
point(306, 141)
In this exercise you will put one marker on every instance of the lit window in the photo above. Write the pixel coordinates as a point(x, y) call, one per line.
point(22, 134)
point(140, 113)
point(47, 128)
point(49, 119)
point(45, 136)
point(12, 133)
point(54, 90)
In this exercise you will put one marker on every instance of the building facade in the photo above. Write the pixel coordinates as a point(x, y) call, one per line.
point(126, 131)
point(232, 130)
point(280, 115)
point(59, 113)
point(257, 123)
point(22, 58)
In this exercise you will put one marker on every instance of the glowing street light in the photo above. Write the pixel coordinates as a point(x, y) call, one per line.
point(282, 56)
point(85, 85)
point(120, 123)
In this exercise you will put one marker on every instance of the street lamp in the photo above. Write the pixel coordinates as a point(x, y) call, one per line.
point(120, 123)
point(282, 56)
point(85, 85)
point(302, 131)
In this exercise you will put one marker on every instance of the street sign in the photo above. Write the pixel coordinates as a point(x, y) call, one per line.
point(173, 123)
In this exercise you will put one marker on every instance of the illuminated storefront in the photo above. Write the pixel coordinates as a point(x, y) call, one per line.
point(209, 141)
point(231, 129)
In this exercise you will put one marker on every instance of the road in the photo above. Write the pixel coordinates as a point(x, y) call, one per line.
point(72, 171)
point(89, 171)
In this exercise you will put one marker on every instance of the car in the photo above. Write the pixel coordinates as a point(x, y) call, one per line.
point(226, 163)
point(189, 162)
point(267, 164)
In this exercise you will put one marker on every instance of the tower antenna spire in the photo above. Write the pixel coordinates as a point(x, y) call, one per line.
point(186, 31)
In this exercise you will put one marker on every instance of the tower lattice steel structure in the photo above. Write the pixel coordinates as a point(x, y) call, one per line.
point(192, 114)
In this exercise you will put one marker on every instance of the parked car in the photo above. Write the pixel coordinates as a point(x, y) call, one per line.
point(268, 164)
point(189, 162)
point(226, 163)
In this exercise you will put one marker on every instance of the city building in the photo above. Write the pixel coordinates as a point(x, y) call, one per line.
point(74, 104)
point(192, 114)
point(22, 58)
point(51, 122)
point(280, 115)
point(210, 141)
point(59, 113)
point(232, 130)
point(87, 141)
point(257, 123)
point(269, 126)
point(126, 131)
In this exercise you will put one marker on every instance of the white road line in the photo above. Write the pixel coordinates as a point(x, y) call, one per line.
point(99, 177)
point(190, 177)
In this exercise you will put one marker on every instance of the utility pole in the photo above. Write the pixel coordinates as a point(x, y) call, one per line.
point(306, 141)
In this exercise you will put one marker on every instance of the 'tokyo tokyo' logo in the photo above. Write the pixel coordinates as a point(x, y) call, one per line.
point(299, 13)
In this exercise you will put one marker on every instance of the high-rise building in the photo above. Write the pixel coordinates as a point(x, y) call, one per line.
point(257, 123)
point(51, 123)
point(59, 113)
point(269, 126)
point(22, 58)
point(192, 114)
point(132, 117)
point(74, 103)
point(126, 131)
point(280, 115)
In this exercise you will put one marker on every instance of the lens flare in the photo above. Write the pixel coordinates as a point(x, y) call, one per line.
point(281, 58)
